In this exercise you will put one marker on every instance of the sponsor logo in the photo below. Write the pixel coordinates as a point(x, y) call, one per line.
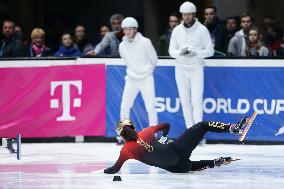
point(67, 102)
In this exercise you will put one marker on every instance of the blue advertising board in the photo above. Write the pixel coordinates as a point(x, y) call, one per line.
point(229, 93)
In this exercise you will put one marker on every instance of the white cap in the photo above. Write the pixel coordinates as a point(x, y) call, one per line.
point(187, 7)
point(129, 22)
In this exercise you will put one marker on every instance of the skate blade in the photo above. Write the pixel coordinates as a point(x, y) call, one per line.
point(245, 131)
point(235, 159)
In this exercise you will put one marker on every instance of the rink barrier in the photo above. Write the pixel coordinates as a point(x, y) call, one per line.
point(228, 87)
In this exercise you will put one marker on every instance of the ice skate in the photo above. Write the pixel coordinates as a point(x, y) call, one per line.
point(238, 128)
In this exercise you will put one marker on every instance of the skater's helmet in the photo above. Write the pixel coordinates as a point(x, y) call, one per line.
point(123, 123)
point(187, 7)
point(129, 22)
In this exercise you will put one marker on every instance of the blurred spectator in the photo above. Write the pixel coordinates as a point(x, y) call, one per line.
point(103, 31)
point(18, 29)
point(81, 41)
point(223, 37)
point(164, 40)
point(281, 53)
point(237, 45)
point(18, 35)
point(254, 46)
point(37, 46)
point(212, 22)
point(111, 39)
point(9, 46)
point(268, 20)
point(272, 36)
point(67, 49)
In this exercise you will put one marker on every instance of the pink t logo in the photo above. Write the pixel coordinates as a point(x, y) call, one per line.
point(66, 101)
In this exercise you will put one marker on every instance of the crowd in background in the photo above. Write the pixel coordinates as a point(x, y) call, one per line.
point(234, 36)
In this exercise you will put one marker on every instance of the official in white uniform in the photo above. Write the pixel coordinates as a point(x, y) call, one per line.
point(190, 43)
point(140, 58)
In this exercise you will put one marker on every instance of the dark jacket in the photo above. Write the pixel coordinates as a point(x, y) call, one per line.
point(84, 46)
point(10, 48)
point(28, 52)
point(163, 43)
point(215, 29)
point(222, 40)
point(65, 52)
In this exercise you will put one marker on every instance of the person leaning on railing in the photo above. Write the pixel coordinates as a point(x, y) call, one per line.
point(112, 39)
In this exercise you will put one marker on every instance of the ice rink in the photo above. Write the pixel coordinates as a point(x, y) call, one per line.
point(78, 165)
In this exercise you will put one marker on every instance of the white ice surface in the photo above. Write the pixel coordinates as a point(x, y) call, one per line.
point(78, 165)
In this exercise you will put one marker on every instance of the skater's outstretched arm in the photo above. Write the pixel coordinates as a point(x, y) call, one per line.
point(124, 156)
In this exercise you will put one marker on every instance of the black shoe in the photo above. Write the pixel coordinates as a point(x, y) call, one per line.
point(237, 128)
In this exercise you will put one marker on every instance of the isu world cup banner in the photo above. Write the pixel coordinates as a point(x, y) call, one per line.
point(232, 92)
point(229, 94)
point(53, 101)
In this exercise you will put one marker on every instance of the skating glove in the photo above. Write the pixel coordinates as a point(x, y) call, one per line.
point(110, 170)
point(191, 54)
point(184, 51)
point(163, 140)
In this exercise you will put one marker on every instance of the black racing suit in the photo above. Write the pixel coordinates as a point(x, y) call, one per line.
point(173, 157)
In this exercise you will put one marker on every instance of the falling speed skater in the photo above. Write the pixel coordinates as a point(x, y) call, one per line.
point(175, 156)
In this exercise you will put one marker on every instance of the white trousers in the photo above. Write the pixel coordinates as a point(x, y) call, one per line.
point(131, 89)
point(190, 83)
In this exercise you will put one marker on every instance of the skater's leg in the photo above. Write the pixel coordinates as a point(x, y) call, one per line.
point(205, 164)
point(201, 165)
point(130, 92)
point(147, 90)
point(183, 85)
point(197, 88)
point(188, 141)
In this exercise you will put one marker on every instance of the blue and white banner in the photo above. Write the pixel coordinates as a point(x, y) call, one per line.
point(230, 92)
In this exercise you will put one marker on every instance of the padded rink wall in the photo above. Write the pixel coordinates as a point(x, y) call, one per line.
point(81, 97)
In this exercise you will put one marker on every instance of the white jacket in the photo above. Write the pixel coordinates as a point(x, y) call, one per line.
point(237, 45)
point(196, 38)
point(139, 56)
